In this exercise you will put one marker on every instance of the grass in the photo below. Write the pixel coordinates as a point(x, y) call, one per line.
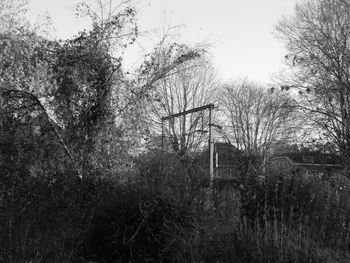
point(281, 220)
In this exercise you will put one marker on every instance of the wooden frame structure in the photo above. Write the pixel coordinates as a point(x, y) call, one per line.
point(210, 107)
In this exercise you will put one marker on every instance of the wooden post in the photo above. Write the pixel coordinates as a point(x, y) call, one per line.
point(216, 154)
point(162, 136)
point(211, 149)
point(211, 141)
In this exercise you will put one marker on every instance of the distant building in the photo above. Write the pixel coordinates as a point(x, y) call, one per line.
point(311, 164)
point(226, 154)
point(229, 162)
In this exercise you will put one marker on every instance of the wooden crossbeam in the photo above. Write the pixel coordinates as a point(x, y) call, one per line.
point(188, 111)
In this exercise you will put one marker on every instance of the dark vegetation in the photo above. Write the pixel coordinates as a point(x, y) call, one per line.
point(63, 218)
point(82, 179)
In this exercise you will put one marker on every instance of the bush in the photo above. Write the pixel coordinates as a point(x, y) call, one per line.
point(60, 217)
point(45, 217)
point(140, 226)
point(182, 177)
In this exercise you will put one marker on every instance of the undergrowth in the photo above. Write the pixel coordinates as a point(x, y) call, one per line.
point(170, 215)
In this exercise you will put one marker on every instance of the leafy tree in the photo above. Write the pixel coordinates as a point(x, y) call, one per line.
point(109, 105)
point(25, 88)
point(85, 74)
point(12, 15)
point(317, 38)
point(78, 90)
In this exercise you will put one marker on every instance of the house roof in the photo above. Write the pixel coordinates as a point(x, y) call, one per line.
point(311, 159)
point(314, 157)
point(223, 147)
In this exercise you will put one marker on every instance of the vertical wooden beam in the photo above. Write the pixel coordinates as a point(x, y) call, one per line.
point(211, 141)
point(211, 149)
point(162, 137)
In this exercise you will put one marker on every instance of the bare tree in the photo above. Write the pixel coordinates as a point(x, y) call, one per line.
point(318, 39)
point(255, 118)
point(191, 85)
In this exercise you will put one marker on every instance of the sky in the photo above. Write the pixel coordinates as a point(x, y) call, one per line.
point(239, 32)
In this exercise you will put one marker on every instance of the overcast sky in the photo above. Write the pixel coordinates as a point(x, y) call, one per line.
point(240, 31)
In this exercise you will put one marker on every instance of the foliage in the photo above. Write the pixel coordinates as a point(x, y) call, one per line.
point(45, 217)
point(12, 15)
point(83, 99)
point(60, 217)
point(139, 226)
point(74, 94)
point(26, 87)
point(182, 177)
point(70, 116)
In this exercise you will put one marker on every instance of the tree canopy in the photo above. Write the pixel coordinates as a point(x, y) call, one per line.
point(77, 91)
point(256, 118)
point(317, 37)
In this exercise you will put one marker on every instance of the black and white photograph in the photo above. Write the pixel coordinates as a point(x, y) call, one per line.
point(175, 131)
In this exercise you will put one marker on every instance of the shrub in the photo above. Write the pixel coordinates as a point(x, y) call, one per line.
point(182, 177)
point(140, 226)
point(45, 217)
